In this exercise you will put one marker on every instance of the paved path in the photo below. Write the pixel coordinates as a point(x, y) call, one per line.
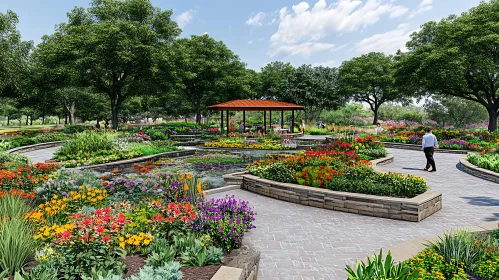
point(41, 155)
point(301, 242)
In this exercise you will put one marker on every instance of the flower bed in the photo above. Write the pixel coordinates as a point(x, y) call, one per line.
point(90, 148)
point(485, 161)
point(85, 226)
point(338, 167)
point(453, 256)
point(26, 140)
point(257, 144)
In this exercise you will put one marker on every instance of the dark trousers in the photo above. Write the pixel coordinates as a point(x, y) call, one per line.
point(428, 152)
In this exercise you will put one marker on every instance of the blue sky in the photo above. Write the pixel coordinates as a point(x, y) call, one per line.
point(324, 32)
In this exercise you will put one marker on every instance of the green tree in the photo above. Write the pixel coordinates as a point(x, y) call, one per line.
point(370, 79)
point(454, 110)
point(458, 56)
point(14, 54)
point(208, 72)
point(273, 75)
point(315, 88)
point(114, 46)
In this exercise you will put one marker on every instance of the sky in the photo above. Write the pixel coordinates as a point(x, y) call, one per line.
point(316, 32)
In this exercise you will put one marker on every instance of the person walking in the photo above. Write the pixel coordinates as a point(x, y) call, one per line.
point(302, 127)
point(429, 144)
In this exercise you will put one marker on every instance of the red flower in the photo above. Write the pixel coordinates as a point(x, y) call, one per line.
point(100, 229)
point(106, 239)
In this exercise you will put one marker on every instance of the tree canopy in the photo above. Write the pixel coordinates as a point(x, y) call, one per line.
point(370, 78)
point(458, 56)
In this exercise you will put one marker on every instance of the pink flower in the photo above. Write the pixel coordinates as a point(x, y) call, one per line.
point(106, 239)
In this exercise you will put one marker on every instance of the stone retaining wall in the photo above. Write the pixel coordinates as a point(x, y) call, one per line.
point(414, 147)
point(476, 171)
point(29, 148)
point(407, 209)
point(127, 165)
point(243, 265)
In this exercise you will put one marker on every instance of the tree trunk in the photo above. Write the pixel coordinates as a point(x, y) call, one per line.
point(31, 120)
point(8, 120)
point(72, 111)
point(43, 119)
point(375, 111)
point(492, 119)
point(198, 113)
point(66, 119)
point(27, 120)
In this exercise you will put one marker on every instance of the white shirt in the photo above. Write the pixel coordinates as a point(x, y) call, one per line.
point(429, 140)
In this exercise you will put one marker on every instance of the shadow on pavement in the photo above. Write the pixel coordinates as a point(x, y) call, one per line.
point(482, 201)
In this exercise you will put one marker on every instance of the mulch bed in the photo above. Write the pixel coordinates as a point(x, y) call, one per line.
point(199, 273)
point(133, 264)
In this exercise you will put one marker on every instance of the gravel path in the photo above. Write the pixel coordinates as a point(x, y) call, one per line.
point(301, 242)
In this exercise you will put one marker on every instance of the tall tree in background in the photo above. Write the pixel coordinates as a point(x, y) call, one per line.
point(316, 88)
point(454, 110)
point(458, 56)
point(370, 79)
point(14, 54)
point(112, 46)
point(207, 72)
point(273, 75)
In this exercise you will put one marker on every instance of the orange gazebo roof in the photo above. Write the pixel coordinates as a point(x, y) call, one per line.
point(255, 105)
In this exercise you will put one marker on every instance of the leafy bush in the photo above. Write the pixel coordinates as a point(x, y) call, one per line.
point(318, 131)
point(13, 160)
point(373, 153)
point(16, 244)
point(277, 172)
point(380, 269)
point(87, 142)
point(75, 128)
point(431, 265)
point(4, 145)
point(199, 255)
point(169, 271)
point(485, 161)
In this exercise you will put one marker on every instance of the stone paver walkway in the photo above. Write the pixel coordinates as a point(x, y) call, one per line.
point(42, 155)
point(301, 242)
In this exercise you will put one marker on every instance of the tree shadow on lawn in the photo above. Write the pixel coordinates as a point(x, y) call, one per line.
point(482, 201)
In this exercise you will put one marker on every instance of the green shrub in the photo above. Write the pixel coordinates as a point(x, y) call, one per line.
point(75, 128)
point(278, 172)
point(318, 131)
point(372, 153)
point(460, 247)
point(199, 255)
point(17, 245)
point(169, 271)
point(14, 160)
point(4, 145)
point(431, 265)
point(87, 142)
point(485, 161)
point(12, 206)
point(380, 269)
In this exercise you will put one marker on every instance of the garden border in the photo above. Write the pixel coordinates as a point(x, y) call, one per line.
point(414, 147)
point(408, 249)
point(468, 167)
point(413, 209)
point(34, 147)
point(127, 165)
point(243, 265)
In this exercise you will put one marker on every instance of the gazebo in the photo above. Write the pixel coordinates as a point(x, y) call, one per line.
point(256, 105)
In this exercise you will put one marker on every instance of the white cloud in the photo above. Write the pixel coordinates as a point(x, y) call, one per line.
point(303, 49)
point(304, 23)
point(256, 20)
point(424, 6)
point(250, 42)
point(388, 42)
point(184, 18)
point(398, 11)
point(329, 63)
point(206, 33)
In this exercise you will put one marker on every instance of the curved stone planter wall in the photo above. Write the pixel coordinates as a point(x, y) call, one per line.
point(407, 209)
point(127, 165)
point(35, 147)
point(243, 265)
point(476, 171)
point(418, 148)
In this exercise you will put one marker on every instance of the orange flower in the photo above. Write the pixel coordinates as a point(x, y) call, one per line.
point(116, 171)
point(104, 178)
point(105, 183)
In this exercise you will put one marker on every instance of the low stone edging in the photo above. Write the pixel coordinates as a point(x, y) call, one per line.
point(476, 171)
point(29, 148)
point(413, 209)
point(242, 266)
point(414, 147)
point(127, 165)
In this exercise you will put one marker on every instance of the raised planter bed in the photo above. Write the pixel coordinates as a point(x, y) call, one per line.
point(243, 265)
point(127, 165)
point(41, 146)
point(413, 209)
point(414, 147)
point(476, 171)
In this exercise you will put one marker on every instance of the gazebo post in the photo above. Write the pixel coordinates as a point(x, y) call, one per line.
point(292, 130)
point(270, 120)
point(244, 121)
point(227, 112)
point(221, 122)
point(282, 119)
point(264, 122)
